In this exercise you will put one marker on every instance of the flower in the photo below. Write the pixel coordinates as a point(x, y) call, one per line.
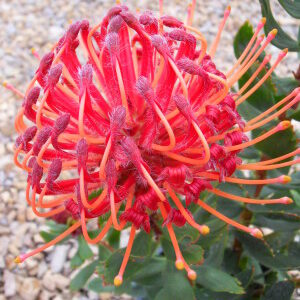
point(135, 106)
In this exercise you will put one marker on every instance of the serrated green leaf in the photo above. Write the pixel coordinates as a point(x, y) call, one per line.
point(150, 273)
point(282, 40)
point(280, 290)
point(278, 221)
point(142, 244)
point(217, 280)
point(113, 264)
point(96, 285)
point(259, 249)
point(215, 253)
point(82, 276)
point(175, 286)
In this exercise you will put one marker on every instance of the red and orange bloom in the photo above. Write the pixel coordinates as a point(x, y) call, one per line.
point(135, 106)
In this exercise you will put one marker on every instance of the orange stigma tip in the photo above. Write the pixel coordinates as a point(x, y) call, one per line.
point(284, 125)
point(205, 230)
point(287, 200)
point(4, 83)
point(179, 264)
point(263, 20)
point(273, 32)
point(257, 233)
point(32, 49)
point(228, 8)
point(192, 275)
point(18, 260)
point(118, 280)
point(118, 2)
point(285, 179)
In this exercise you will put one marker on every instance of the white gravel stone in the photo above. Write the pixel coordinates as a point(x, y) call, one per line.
point(61, 282)
point(59, 258)
point(29, 288)
point(48, 281)
point(10, 287)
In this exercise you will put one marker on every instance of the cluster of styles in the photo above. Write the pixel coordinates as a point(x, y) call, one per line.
point(135, 106)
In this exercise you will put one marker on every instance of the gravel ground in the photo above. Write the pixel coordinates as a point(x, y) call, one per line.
point(28, 23)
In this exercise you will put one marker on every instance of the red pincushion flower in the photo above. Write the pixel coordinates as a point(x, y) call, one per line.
point(136, 106)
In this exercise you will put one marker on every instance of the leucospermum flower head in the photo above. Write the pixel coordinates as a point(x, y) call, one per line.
point(135, 106)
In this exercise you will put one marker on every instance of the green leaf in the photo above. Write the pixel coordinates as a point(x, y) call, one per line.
point(103, 253)
point(76, 261)
point(278, 240)
point(296, 197)
point(257, 248)
point(55, 229)
point(113, 264)
point(278, 144)
point(96, 285)
point(278, 221)
point(292, 7)
point(216, 252)
point(186, 232)
point(150, 273)
point(47, 236)
point(242, 38)
point(84, 249)
point(113, 238)
point(217, 280)
point(95, 194)
point(142, 244)
point(284, 85)
point(261, 251)
point(175, 285)
point(282, 40)
point(280, 290)
point(83, 276)
point(193, 254)
point(295, 115)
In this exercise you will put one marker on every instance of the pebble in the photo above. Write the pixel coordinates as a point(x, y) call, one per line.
point(45, 295)
point(42, 268)
point(59, 258)
point(4, 230)
point(10, 287)
point(48, 282)
point(61, 282)
point(29, 288)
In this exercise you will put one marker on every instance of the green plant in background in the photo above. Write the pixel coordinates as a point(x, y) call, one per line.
point(131, 176)
point(284, 40)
